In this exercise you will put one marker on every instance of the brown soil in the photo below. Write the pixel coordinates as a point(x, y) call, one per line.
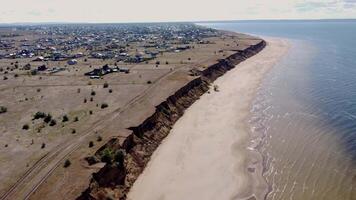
point(115, 179)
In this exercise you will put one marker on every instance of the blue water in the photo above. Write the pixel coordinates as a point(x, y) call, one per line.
point(311, 115)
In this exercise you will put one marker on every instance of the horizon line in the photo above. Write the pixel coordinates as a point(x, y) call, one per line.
point(194, 21)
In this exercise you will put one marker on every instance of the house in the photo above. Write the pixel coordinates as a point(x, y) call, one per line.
point(72, 62)
point(38, 59)
point(126, 70)
point(42, 68)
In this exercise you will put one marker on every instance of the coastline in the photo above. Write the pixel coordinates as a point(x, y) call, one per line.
point(208, 171)
point(114, 180)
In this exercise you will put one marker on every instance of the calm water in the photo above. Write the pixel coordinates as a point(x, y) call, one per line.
point(305, 110)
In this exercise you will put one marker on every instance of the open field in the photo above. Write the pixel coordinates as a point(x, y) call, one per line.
point(32, 152)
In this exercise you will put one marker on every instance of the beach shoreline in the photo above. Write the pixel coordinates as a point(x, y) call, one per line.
point(228, 176)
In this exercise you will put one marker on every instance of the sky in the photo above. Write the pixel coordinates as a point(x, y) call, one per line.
point(111, 11)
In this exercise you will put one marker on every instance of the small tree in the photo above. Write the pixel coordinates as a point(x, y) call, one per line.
point(104, 105)
point(48, 118)
point(3, 109)
point(106, 85)
point(25, 127)
point(67, 163)
point(53, 122)
point(91, 144)
point(65, 118)
point(39, 115)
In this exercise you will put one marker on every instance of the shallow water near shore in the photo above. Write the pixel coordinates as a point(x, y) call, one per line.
point(303, 119)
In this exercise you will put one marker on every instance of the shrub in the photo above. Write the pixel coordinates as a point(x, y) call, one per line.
point(158, 62)
point(47, 118)
point(85, 100)
point(5, 78)
point(149, 82)
point(93, 93)
point(43, 145)
point(216, 88)
point(3, 109)
point(104, 105)
point(53, 122)
point(38, 90)
point(119, 158)
point(16, 75)
point(91, 144)
point(78, 90)
point(67, 163)
point(106, 85)
point(91, 99)
point(76, 119)
point(90, 112)
point(39, 115)
point(99, 139)
point(65, 118)
point(167, 62)
point(25, 127)
point(107, 155)
point(73, 131)
point(110, 90)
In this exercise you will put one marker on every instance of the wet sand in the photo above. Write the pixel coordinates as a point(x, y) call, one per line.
point(206, 156)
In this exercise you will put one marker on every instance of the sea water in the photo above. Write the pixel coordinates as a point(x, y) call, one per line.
point(305, 110)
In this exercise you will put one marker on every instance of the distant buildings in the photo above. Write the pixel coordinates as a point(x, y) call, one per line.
point(106, 69)
point(72, 62)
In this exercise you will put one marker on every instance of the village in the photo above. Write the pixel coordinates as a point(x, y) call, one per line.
point(62, 46)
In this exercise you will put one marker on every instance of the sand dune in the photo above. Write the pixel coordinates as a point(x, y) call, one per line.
point(205, 155)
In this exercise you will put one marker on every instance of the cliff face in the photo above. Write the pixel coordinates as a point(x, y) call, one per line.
point(125, 162)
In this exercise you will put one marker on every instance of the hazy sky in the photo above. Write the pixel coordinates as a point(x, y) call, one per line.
point(170, 10)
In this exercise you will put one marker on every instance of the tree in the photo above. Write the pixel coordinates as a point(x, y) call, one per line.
point(106, 85)
point(65, 118)
point(39, 115)
point(67, 163)
point(53, 122)
point(25, 127)
point(3, 109)
point(47, 118)
point(91, 144)
point(104, 105)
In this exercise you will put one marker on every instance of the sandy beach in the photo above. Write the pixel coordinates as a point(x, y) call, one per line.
point(205, 156)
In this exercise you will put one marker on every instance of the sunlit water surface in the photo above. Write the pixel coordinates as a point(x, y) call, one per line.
point(305, 112)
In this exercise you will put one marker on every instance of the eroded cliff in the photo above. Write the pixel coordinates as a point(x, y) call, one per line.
point(126, 160)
